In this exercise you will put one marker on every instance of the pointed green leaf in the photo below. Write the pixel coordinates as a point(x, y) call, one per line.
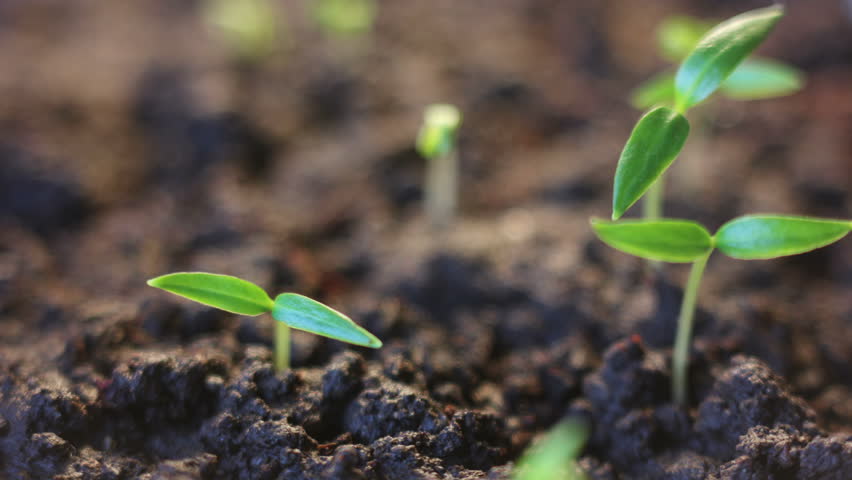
point(677, 241)
point(655, 142)
point(756, 237)
point(759, 78)
point(678, 35)
point(303, 313)
point(221, 291)
point(720, 51)
point(554, 456)
point(657, 90)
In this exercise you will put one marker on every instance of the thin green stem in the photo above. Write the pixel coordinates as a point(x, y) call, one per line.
point(652, 205)
point(442, 189)
point(683, 340)
point(282, 346)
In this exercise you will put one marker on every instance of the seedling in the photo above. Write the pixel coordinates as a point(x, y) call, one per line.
point(291, 310)
point(345, 17)
point(554, 457)
point(250, 28)
point(437, 143)
point(752, 237)
point(714, 59)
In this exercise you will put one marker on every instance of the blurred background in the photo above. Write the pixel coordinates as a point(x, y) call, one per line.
point(138, 138)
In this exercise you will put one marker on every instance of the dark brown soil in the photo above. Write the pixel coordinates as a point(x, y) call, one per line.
point(131, 147)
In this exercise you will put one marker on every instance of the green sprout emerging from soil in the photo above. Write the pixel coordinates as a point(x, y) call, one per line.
point(437, 143)
point(652, 147)
point(250, 28)
point(291, 310)
point(712, 58)
point(345, 17)
point(751, 237)
point(554, 457)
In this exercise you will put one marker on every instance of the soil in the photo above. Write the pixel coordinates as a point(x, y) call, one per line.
point(132, 146)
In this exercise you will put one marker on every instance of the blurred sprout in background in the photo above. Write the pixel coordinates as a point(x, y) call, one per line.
point(436, 142)
point(252, 29)
point(344, 17)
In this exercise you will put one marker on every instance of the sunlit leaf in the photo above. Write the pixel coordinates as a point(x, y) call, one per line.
point(655, 142)
point(677, 241)
point(759, 78)
point(755, 237)
point(438, 133)
point(302, 313)
point(221, 291)
point(720, 51)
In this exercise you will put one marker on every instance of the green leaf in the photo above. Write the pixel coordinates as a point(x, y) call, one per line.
point(302, 313)
point(221, 291)
point(677, 241)
point(756, 237)
point(759, 78)
point(720, 51)
point(657, 90)
point(552, 458)
point(655, 142)
point(345, 17)
point(678, 35)
point(437, 136)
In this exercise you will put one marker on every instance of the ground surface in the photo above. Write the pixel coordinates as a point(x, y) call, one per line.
point(130, 147)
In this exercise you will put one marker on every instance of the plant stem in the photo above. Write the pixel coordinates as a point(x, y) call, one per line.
point(683, 340)
point(282, 346)
point(442, 189)
point(652, 206)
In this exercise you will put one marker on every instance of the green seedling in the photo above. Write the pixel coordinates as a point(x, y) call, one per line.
point(437, 143)
point(751, 237)
point(250, 28)
point(289, 309)
point(712, 59)
point(554, 457)
point(345, 17)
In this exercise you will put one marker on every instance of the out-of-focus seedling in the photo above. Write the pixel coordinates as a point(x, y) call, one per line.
point(437, 143)
point(554, 457)
point(250, 28)
point(345, 17)
point(712, 58)
point(291, 310)
point(751, 237)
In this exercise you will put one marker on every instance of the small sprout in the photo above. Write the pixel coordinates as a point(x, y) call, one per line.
point(652, 147)
point(719, 52)
point(289, 309)
point(250, 27)
point(345, 17)
point(751, 237)
point(715, 58)
point(436, 141)
point(554, 457)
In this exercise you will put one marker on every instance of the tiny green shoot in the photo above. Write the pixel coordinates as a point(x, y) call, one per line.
point(345, 17)
point(251, 28)
point(436, 141)
point(291, 310)
point(554, 457)
point(712, 58)
point(751, 237)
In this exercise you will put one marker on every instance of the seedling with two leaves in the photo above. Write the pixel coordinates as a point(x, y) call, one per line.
point(654, 144)
point(751, 237)
point(436, 142)
point(711, 59)
point(291, 310)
